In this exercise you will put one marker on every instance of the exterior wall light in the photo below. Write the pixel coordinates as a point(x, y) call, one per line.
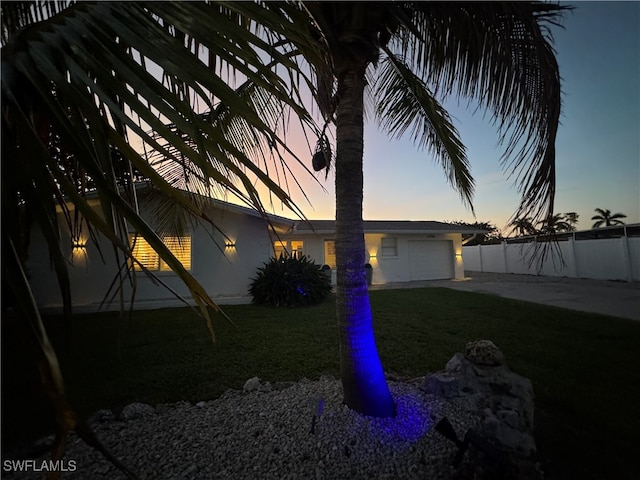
point(79, 251)
point(230, 245)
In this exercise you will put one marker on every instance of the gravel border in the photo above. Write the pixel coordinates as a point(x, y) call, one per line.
point(266, 434)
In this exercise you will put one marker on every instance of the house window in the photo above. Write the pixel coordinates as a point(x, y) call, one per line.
point(180, 247)
point(280, 247)
point(297, 248)
point(388, 247)
point(330, 253)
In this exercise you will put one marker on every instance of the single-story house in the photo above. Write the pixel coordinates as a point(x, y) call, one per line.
point(398, 251)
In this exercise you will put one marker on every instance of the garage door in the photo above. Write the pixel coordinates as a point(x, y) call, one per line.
point(430, 259)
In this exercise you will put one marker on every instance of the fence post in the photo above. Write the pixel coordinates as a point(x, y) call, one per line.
point(573, 256)
point(626, 258)
point(504, 256)
point(480, 258)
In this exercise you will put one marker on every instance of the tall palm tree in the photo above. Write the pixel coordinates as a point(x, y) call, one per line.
point(404, 55)
point(604, 218)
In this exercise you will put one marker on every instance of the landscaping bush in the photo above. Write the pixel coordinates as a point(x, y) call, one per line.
point(290, 282)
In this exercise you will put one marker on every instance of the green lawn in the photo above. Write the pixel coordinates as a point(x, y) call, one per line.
point(583, 366)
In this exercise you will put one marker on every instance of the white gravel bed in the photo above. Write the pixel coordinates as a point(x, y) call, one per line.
point(267, 435)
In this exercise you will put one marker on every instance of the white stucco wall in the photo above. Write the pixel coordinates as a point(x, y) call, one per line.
point(385, 269)
point(397, 269)
point(89, 276)
point(224, 272)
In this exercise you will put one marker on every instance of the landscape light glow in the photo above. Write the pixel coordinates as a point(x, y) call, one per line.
point(370, 393)
point(412, 421)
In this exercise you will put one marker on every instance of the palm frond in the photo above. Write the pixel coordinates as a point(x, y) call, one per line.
point(46, 359)
point(87, 79)
point(500, 55)
point(18, 15)
point(85, 73)
point(604, 217)
point(405, 103)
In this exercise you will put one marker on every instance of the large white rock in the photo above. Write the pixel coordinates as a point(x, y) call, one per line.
point(482, 384)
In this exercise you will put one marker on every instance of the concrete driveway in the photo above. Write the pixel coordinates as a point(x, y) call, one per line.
point(618, 299)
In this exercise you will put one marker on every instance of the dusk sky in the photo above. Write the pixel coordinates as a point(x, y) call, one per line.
point(598, 145)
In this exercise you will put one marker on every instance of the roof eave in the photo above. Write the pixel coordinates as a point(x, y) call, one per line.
point(388, 231)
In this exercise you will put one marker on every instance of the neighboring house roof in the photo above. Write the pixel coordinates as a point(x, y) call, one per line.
point(384, 226)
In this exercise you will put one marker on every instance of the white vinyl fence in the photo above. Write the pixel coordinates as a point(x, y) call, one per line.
point(603, 258)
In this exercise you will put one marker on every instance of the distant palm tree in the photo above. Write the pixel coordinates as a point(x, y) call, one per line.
point(523, 226)
point(604, 218)
point(554, 224)
point(492, 234)
point(572, 219)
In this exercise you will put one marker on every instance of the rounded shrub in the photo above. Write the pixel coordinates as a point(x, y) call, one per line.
point(290, 282)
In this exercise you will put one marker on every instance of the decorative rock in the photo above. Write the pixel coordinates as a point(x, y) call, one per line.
point(201, 404)
point(442, 385)
point(251, 384)
point(282, 385)
point(230, 393)
point(265, 387)
point(101, 416)
point(482, 384)
point(484, 352)
point(454, 365)
point(136, 410)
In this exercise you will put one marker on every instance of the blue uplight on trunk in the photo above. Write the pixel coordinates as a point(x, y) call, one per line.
point(365, 387)
point(364, 384)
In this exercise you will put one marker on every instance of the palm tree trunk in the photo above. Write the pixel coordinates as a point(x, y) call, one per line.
point(365, 388)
